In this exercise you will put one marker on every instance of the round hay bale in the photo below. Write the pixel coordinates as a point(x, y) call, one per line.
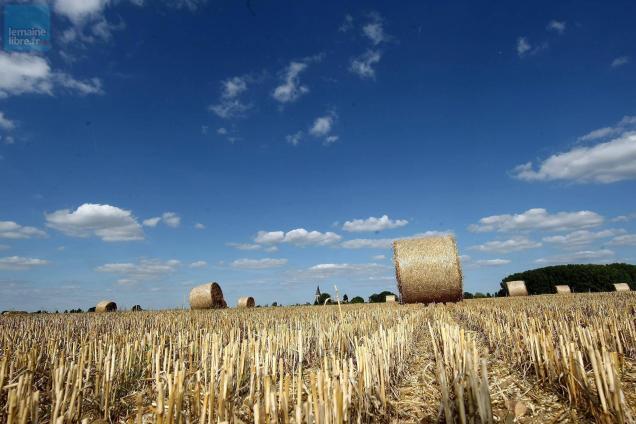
point(246, 302)
point(207, 296)
point(621, 287)
point(390, 298)
point(564, 289)
point(106, 306)
point(517, 288)
point(427, 270)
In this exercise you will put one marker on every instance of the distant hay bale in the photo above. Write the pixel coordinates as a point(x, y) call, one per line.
point(207, 296)
point(427, 270)
point(517, 288)
point(390, 298)
point(246, 302)
point(621, 287)
point(563, 289)
point(106, 306)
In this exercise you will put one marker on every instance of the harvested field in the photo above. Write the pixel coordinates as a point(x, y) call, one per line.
point(531, 359)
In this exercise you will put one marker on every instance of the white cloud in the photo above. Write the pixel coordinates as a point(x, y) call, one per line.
point(624, 218)
point(199, 226)
point(298, 237)
point(505, 246)
point(368, 271)
point(221, 131)
point(6, 123)
point(584, 256)
point(347, 24)
point(258, 263)
point(556, 26)
point(538, 219)
point(12, 230)
point(171, 219)
point(323, 125)
point(362, 65)
point(491, 262)
point(331, 139)
point(581, 237)
point(107, 222)
point(378, 257)
point(621, 126)
point(245, 246)
point(624, 240)
point(374, 31)
point(198, 264)
point(385, 243)
point(145, 269)
point(19, 263)
point(607, 162)
point(373, 224)
point(230, 105)
point(523, 46)
point(620, 61)
point(22, 73)
point(291, 89)
point(294, 139)
point(151, 222)
point(79, 10)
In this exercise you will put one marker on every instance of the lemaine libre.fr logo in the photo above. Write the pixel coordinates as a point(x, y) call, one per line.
point(27, 27)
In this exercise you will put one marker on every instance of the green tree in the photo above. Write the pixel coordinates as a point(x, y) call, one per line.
point(345, 298)
point(323, 297)
point(380, 297)
point(468, 295)
point(479, 295)
point(357, 299)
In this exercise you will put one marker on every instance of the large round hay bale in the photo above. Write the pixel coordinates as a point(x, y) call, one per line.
point(207, 296)
point(390, 298)
point(563, 289)
point(427, 270)
point(106, 306)
point(246, 302)
point(517, 288)
point(621, 287)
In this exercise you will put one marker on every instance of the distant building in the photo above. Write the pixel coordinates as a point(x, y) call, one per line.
point(318, 294)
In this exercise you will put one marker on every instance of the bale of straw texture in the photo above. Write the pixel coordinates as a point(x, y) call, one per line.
point(106, 306)
point(246, 302)
point(621, 287)
point(427, 270)
point(207, 296)
point(563, 289)
point(517, 288)
point(390, 298)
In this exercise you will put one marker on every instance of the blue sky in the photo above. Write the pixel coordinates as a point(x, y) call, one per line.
point(275, 146)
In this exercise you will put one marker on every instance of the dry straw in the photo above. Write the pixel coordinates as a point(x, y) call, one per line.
point(106, 306)
point(517, 288)
point(207, 296)
point(246, 302)
point(563, 289)
point(427, 270)
point(621, 287)
point(390, 298)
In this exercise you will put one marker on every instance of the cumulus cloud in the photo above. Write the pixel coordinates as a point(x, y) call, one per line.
point(294, 139)
point(291, 88)
point(365, 271)
point(363, 65)
point(385, 243)
point(523, 46)
point(581, 237)
point(245, 246)
point(19, 263)
point(79, 10)
point(621, 126)
point(537, 219)
point(603, 163)
point(144, 269)
point(13, 230)
point(583, 256)
point(171, 219)
point(107, 222)
point(624, 240)
point(298, 237)
point(505, 246)
point(556, 26)
point(230, 104)
point(5, 123)
point(373, 224)
point(258, 263)
point(347, 25)
point(22, 73)
point(491, 262)
point(198, 264)
point(151, 222)
point(199, 226)
point(620, 61)
point(374, 30)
